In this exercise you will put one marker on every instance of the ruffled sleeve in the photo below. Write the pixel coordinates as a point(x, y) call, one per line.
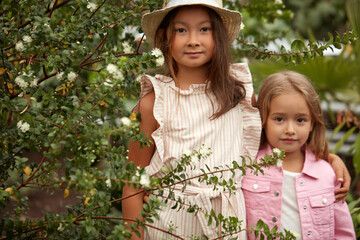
point(251, 116)
point(156, 84)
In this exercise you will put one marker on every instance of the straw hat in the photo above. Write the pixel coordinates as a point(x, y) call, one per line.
point(152, 20)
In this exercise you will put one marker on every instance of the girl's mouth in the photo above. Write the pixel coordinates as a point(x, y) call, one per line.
point(288, 140)
point(193, 54)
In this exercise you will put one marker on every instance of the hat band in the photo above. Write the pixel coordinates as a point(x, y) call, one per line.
point(173, 3)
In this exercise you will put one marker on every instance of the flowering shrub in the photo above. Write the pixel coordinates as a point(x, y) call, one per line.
point(68, 82)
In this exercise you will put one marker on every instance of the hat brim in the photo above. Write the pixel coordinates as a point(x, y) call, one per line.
point(151, 21)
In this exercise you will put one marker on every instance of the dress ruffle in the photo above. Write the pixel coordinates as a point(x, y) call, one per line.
point(251, 116)
point(156, 84)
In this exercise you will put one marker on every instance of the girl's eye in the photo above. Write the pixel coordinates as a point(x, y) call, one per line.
point(278, 119)
point(180, 30)
point(205, 29)
point(301, 120)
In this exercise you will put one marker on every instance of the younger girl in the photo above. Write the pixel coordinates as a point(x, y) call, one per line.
point(203, 101)
point(299, 196)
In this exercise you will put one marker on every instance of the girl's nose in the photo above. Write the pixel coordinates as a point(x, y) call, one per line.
point(193, 40)
point(290, 128)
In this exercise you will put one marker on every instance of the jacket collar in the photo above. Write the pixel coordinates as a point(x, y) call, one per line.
point(310, 164)
point(309, 168)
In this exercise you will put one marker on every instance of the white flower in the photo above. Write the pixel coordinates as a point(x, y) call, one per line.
point(160, 61)
point(244, 60)
point(71, 76)
point(205, 151)
point(19, 46)
point(242, 26)
point(127, 47)
point(278, 2)
point(125, 121)
point(21, 82)
point(27, 39)
point(296, 234)
point(34, 83)
point(23, 126)
point(112, 69)
point(194, 159)
point(187, 152)
point(145, 180)
point(276, 151)
point(118, 75)
point(59, 76)
point(138, 78)
point(279, 12)
point(91, 6)
point(156, 52)
point(108, 182)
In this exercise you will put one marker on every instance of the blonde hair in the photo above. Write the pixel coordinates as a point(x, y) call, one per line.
point(285, 82)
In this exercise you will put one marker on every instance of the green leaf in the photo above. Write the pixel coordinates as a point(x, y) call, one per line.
point(342, 141)
point(356, 158)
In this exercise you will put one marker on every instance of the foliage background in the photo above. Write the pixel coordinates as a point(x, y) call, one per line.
point(78, 109)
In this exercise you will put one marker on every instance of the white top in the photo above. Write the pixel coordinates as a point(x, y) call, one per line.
point(290, 218)
point(184, 120)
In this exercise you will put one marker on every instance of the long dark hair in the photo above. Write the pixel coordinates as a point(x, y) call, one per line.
point(227, 90)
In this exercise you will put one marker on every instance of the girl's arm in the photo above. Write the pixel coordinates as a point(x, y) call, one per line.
point(342, 175)
point(132, 206)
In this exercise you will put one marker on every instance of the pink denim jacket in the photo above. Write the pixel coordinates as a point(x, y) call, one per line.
point(320, 216)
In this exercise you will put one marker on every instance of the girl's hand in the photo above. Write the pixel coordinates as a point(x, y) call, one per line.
point(342, 175)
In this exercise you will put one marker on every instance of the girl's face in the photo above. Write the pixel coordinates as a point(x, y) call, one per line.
point(289, 123)
point(193, 43)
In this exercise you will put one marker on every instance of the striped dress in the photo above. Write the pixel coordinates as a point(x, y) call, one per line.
point(184, 123)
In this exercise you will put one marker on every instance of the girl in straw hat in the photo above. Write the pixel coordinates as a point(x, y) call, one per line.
point(203, 102)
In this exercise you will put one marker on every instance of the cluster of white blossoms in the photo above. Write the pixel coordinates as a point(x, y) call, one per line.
point(19, 46)
point(143, 179)
point(278, 2)
point(59, 76)
point(159, 57)
point(108, 182)
point(19, 80)
point(204, 151)
point(23, 126)
point(127, 48)
point(125, 121)
point(71, 76)
point(113, 69)
point(91, 6)
point(195, 156)
point(276, 153)
point(23, 80)
point(27, 39)
point(242, 25)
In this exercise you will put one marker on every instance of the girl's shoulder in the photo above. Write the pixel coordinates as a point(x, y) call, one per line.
point(241, 72)
point(157, 79)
